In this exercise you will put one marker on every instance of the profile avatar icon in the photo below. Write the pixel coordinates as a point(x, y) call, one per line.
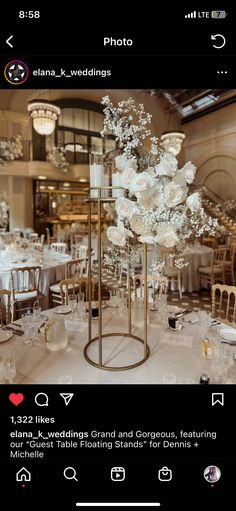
point(16, 72)
point(212, 474)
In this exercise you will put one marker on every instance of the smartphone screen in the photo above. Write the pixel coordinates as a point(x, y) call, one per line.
point(117, 203)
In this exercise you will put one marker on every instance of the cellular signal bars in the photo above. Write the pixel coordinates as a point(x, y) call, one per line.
point(191, 14)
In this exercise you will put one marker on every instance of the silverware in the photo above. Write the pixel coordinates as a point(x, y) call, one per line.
point(182, 313)
point(229, 342)
point(14, 330)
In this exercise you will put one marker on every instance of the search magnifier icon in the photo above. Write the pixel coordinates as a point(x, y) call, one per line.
point(70, 473)
point(41, 399)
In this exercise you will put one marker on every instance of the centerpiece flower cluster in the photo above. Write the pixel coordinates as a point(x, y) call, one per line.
point(4, 208)
point(11, 149)
point(56, 156)
point(159, 207)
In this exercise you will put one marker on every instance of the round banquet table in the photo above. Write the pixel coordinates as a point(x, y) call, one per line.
point(195, 255)
point(36, 364)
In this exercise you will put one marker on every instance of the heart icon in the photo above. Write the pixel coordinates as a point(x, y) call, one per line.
point(16, 399)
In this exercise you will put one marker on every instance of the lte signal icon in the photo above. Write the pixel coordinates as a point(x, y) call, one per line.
point(192, 14)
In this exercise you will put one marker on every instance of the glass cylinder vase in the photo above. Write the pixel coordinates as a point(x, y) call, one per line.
point(116, 181)
point(96, 170)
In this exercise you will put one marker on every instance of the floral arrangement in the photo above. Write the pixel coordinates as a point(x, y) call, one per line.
point(56, 156)
point(159, 208)
point(11, 149)
point(4, 208)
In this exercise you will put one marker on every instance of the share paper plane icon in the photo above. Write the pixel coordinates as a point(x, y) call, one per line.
point(67, 398)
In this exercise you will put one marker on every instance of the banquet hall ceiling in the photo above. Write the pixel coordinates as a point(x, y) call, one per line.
point(189, 102)
point(18, 100)
point(186, 103)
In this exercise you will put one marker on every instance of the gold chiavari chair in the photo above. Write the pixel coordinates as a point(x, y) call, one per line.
point(224, 303)
point(59, 247)
point(5, 308)
point(216, 271)
point(25, 287)
point(230, 264)
point(73, 269)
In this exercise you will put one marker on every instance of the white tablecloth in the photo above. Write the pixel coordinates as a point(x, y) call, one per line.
point(195, 256)
point(38, 365)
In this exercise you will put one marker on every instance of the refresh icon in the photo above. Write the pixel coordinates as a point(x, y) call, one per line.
point(221, 41)
point(41, 399)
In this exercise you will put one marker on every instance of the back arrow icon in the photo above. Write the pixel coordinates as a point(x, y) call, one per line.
point(8, 41)
point(214, 37)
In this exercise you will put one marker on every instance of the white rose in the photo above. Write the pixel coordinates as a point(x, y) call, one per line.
point(127, 177)
point(194, 202)
point(188, 171)
point(166, 236)
point(147, 237)
point(116, 236)
point(124, 163)
point(179, 178)
point(124, 208)
point(137, 224)
point(143, 183)
point(151, 171)
point(174, 194)
point(167, 166)
point(151, 201)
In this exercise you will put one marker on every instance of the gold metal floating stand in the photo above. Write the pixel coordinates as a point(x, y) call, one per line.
point(99, 363)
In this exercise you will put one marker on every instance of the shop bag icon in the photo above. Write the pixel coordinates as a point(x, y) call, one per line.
point(164, 474)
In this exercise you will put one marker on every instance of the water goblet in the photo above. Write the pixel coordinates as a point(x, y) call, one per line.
point(30, 327)
point(66, 379)
point(72, 303)
point(10, 365)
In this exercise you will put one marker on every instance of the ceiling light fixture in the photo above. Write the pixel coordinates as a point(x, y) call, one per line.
point(172, 141)
point(44, 115)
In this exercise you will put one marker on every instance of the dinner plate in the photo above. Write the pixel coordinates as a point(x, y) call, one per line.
point(229, 334)
point(62, 310)
point(5, 336)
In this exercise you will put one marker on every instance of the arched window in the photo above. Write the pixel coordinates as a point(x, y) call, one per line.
point(78, 130)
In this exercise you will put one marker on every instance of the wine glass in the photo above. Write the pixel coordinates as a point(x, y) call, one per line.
point(80, 305)
point(2, 369)
point(30, 327)
point(10, 365)
point(66, 379)
point(37, 318)
point(72, 303)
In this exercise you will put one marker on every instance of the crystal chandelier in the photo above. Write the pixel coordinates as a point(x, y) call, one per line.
point(172, 141)
point(44, 116)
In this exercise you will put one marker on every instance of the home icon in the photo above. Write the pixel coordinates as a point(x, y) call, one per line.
point(23, 475)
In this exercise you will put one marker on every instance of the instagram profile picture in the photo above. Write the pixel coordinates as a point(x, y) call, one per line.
point(16, 72)
point(212, 474)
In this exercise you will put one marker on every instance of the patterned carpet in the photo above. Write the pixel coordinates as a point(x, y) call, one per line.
point(194, 301)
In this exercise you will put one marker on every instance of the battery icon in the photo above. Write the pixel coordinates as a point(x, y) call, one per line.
point(218, 14)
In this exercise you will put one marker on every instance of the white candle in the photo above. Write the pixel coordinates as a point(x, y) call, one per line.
point(116, 182)
point(96, 178)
